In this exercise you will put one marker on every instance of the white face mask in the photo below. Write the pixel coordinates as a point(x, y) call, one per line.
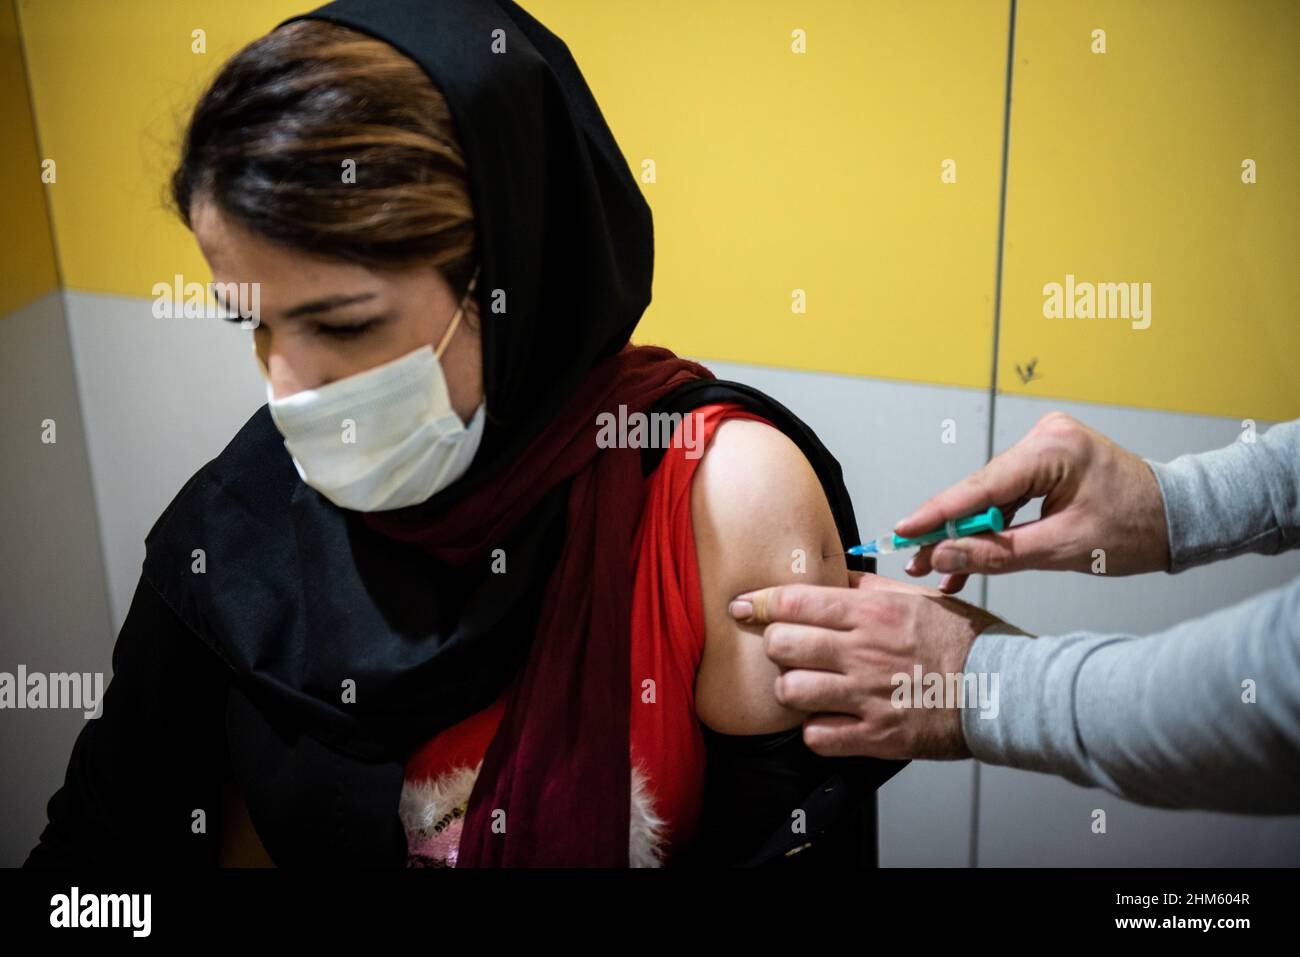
point(384, 438)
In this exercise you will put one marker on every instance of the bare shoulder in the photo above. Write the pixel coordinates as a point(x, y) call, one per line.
point(760, 518)
point(751, 466)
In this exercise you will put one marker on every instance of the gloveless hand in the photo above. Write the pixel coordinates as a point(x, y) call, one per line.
point(840, 649)
point(1096, 496)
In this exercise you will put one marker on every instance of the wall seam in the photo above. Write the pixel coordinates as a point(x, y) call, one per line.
point(973, 854)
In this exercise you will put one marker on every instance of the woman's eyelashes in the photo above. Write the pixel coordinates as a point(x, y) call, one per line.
point(347, 330)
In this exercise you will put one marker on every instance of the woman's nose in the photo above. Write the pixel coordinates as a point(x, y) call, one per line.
point(291, 378)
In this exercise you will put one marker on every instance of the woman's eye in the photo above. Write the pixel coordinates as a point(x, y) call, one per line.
point(345, 332)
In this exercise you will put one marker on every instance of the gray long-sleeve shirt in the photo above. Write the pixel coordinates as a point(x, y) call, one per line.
point(1203, 715)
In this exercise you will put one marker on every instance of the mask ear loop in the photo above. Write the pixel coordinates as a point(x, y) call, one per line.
point(455, 320)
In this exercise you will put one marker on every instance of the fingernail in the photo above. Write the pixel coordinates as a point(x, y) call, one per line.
point(910, 568)
point(948, 560)
point(741, 608)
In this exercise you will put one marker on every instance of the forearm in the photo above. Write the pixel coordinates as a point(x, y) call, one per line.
point(1243, 498)
point(1167, 720)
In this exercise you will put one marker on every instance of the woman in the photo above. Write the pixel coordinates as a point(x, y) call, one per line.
point(422, 576)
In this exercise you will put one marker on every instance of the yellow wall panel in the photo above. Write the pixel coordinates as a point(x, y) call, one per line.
point(27, 265)
point(775, 171)
point(113, 84)
point(1127, 167)
point(820, 171)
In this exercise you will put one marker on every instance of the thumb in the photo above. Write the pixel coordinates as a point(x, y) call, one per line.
point(1033, 545)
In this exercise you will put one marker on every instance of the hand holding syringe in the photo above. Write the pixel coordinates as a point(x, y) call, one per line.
point(1095, 495)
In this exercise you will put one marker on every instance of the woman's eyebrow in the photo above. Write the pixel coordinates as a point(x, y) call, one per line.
point(326, 304)
point(303, 309)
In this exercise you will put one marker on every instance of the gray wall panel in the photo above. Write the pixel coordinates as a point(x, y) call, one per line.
point(162, 397)
point(54, 614)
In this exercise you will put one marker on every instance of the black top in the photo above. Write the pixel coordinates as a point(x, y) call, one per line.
point(287, 586)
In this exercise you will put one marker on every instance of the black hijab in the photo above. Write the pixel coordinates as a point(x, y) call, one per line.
point(300, 598)
point(564, 234)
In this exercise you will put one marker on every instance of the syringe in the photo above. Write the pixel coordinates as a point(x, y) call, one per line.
point(990, 521)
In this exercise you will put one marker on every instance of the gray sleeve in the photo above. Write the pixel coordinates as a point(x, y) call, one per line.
point(1204, 715)
point(1243, 498)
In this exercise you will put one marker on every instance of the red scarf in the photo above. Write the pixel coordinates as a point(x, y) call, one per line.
point(555, 785)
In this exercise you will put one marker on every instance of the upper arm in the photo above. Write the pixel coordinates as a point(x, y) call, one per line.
point(760, 518)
